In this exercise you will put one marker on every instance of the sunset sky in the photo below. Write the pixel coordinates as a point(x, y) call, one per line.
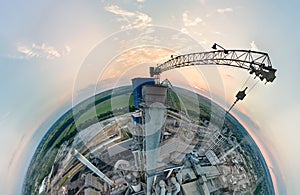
point(55, 53)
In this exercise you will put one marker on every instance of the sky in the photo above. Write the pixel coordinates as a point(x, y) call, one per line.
point(52, 52)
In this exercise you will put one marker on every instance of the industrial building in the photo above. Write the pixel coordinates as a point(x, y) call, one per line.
point(159, 146)
point(166, 153)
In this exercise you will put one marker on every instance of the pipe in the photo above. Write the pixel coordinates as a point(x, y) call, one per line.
point(162, 186)
point(92, 167)
point(177, 186)
point(179, 178)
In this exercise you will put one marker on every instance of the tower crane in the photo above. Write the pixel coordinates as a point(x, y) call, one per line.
point(255, 62)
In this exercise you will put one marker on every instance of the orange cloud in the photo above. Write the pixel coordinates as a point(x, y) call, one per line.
point(134, 57)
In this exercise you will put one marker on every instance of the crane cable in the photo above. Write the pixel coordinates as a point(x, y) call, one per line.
point(241, 90)
point(253, 86)
point(246, 81)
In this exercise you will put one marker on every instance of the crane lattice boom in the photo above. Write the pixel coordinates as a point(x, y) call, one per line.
point(256, 62)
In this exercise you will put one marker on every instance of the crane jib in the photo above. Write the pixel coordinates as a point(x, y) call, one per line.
point(255, 62)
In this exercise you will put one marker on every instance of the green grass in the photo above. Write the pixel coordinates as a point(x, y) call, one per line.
point(121, 101)
point(64, 180)
point(195, 105)
point(65, 130)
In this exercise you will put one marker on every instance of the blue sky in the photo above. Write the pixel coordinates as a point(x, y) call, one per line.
point(43, 45)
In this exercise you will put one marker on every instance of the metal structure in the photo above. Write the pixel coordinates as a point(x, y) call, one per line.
point(255, 62)
point(92, 167)
point(239, 96)
point(168, 152)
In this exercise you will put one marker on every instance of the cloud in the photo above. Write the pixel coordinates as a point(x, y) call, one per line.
point(132, 19)
point(132, 59)
point(218, 33)
point(140, 1)
point(229, 76)
point(42, 51)
point(187, 21)
point(224, 10)
point(184, 30)
point(253, 46)
point(118, 11)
